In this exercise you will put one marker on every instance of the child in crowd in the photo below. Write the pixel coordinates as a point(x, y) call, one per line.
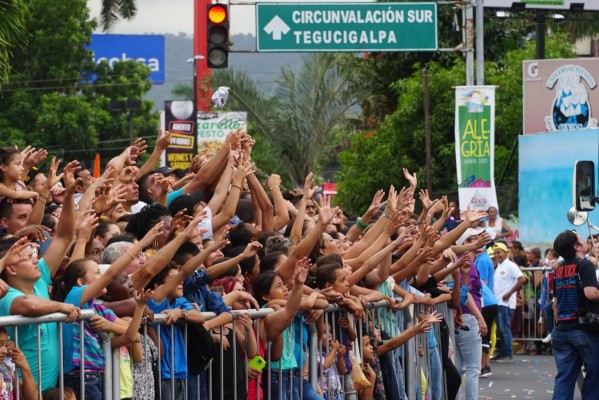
point(8, 377)
point(331, 366)
point(11, 173)
point(168, 299)
point(83, 283)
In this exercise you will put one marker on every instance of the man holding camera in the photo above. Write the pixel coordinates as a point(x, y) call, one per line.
point(575, 339)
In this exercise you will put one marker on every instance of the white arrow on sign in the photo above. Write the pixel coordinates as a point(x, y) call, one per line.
point(276, 27)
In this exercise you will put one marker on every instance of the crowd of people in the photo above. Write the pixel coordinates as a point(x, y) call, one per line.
point(139, 241)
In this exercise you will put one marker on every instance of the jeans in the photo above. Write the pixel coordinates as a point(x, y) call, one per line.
point(168, 394)
point(277, 385)
point(468, 354)
point(571, 349)
point(94, 385)
point(504, 333)
point(435, 373)
point(192, 386)
point(307, 392)
point(548, 315)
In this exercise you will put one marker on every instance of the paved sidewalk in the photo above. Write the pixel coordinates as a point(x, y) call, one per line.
point(528, 377)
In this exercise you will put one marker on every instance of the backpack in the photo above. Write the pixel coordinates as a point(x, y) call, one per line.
point(200, 348)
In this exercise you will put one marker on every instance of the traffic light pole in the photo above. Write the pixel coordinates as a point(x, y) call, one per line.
point(202, 74)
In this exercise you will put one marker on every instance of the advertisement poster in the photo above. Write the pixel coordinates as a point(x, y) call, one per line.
point(145, 49)
point(560, 95)
point(475, 139)
point(179, 120)
point(545, 172)
point(213, 128)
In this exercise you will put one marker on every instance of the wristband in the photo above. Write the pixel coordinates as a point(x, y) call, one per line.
point(235, 186)
point(361, 224)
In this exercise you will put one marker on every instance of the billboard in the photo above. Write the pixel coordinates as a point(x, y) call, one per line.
point(179, 120)
point(213, 128)
point(146, 49)
point(475, 146)
point(545, 170)
point(560, 95)
point(589, 5)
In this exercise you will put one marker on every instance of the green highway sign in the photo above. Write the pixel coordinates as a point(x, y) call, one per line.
point(348, 27)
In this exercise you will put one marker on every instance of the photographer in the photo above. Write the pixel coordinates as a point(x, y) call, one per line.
point(575, 339)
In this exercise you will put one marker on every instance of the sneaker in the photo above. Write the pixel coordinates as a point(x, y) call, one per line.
point(547, 339)
point(505, 359)
point(486, 372)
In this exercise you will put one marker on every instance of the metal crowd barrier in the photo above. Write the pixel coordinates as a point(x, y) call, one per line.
point(378, 314)
point(529, 315)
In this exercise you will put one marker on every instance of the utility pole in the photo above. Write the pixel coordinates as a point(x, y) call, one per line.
point(468, 38)
point(427, 132)
point(541, 27)
point(480, 43)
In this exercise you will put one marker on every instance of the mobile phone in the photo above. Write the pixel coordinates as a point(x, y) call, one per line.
point(257, 363)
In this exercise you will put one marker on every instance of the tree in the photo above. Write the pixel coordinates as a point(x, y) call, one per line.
point(374, 158)
point(298, 122)
point(112, 10)
point(13, 14)
point(58, 98)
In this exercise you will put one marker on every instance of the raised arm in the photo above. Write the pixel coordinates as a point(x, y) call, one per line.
point(162, 142)
point(281, 217)
point(114, 271)
point(66, 224)
point(228, 211)
point(264, 203)
point(354, 232)
point(274, 324)
point(304, 247)
point(298, 224)
point(161, 292)
point(158, 261)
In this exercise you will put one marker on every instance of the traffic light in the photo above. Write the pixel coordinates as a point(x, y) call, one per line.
point(218, 36)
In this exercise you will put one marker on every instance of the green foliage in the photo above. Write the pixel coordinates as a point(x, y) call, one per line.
point(13, 14)
point(52, 100)
point(113, 10)
point(374, 158)
point(296, 125)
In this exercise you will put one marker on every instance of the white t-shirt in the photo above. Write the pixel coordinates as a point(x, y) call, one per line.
point(505, 277)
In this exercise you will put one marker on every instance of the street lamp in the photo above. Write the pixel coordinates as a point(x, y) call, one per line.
point(194, 60)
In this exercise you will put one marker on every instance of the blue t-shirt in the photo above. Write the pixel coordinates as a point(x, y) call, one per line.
point(180, 361)
point(28, 333)
point(489, 298)
point(195, 290)
point(486, 270)
point(173, 195)
point(93, 352)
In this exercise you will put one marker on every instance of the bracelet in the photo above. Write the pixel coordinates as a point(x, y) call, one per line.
point(183, 314)
point(361, 224)
point(130, 255)
point(44, 197)
point(388, 216)
point(235, 186)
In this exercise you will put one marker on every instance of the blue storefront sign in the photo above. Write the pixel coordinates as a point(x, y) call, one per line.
point(146, 49)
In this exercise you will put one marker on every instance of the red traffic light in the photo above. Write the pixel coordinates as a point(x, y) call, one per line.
point(217, 33)
point(217, 14)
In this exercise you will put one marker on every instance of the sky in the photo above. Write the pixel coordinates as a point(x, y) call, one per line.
point(175, 16)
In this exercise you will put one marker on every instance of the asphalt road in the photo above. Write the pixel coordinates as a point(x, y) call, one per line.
point(528, 377)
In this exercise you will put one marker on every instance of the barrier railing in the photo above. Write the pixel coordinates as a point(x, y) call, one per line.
point(379, 316)
point(531, 322)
